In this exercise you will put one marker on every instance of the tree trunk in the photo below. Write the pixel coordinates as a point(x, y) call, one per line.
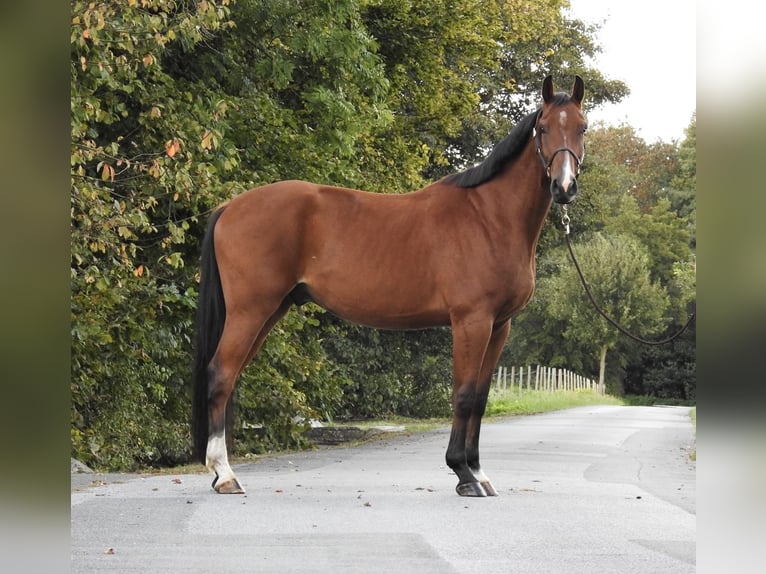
point(602, 365)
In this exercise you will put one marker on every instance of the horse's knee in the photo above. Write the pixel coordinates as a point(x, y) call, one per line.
point(464, 400)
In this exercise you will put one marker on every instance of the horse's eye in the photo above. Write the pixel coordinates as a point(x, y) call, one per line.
point(543, 130)
point(584, 129)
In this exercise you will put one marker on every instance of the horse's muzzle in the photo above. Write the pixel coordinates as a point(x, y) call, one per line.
point(563, 193)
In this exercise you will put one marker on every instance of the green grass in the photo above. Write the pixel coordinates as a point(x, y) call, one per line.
point(531, 402)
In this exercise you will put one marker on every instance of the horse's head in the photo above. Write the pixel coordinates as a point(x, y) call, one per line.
point(560, 138)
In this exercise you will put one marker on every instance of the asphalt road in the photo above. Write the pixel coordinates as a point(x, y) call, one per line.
point(586, 490)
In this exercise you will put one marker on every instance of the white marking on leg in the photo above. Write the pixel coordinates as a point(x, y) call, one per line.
point(216, 459)
point(480, 476)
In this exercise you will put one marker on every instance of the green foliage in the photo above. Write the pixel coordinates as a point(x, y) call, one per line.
point(289, 383)
point(617, 271)
point(628, 189)
point(142, 149)
point(390, 372)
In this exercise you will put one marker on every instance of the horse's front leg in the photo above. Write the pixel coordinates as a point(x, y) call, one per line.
point(491, 357)
point(469, 344)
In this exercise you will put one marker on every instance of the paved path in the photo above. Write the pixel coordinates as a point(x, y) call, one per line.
point(592, 489)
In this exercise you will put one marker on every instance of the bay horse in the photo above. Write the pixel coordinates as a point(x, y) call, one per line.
point(459, 253)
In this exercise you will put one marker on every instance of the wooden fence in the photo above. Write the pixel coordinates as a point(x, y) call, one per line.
point(548, 379)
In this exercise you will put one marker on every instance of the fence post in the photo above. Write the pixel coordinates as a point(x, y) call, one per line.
point(529, 377)
point(513, 375)
point(537, 378)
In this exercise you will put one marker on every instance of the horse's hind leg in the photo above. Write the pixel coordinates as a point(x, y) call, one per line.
point(242, 337)
point(495, 347)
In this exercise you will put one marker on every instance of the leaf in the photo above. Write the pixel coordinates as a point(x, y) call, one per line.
point(139, 271)
point(154, 169)
point(207, 140)
point(107, 172)
point(172, 147)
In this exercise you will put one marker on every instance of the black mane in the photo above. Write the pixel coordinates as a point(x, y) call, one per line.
point(503, 152)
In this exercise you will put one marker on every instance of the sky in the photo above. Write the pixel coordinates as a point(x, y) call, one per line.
point(651, 47)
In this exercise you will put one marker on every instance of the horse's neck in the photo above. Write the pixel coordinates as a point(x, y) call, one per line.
point(519, 202)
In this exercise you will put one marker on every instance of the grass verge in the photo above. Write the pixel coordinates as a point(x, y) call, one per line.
point(532, 402)
point(528, 403)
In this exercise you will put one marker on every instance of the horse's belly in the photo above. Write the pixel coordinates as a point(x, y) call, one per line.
point(375, 302)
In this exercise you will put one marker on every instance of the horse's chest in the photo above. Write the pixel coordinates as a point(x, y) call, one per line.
point(516, 292)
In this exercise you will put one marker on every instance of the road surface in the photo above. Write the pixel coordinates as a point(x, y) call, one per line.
point(606, 489)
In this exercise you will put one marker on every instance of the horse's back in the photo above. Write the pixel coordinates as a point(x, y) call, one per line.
point(367, 257)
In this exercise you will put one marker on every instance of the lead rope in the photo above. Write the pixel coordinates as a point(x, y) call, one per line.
point(565, 220)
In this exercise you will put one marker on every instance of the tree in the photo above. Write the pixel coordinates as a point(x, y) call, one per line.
point(617, 270)
point(683, 186)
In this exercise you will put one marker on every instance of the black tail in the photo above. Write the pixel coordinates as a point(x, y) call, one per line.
point(211, 314)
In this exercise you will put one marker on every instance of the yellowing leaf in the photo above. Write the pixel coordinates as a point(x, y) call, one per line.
point(148, 60)
point(154, 169)
point(107, 172)
point(207, 140)
point(139, 271)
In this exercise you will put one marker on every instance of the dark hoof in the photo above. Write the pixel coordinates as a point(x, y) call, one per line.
point(231, 486)
point(471, 489)
point(488, 488)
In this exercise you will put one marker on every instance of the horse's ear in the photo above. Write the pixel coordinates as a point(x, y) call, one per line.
point(548, 89)
point(578, 90)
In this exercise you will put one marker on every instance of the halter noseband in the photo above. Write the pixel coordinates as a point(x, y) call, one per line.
point(547, 164)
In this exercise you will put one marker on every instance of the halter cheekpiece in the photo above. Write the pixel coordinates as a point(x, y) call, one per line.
point(536, 133)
